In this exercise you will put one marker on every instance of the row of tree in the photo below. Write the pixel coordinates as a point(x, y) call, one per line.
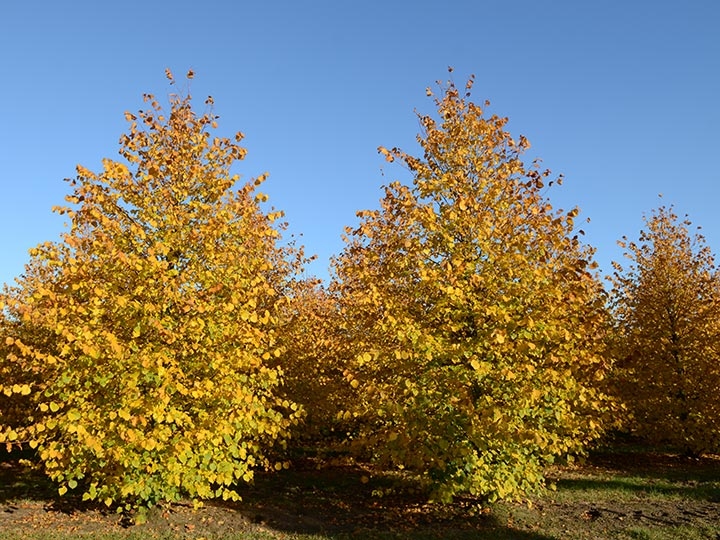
point(168, 346)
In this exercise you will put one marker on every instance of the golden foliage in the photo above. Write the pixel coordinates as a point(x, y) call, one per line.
point(667, 308)
point(474, 328)
point(313, 376)
point(139, 346)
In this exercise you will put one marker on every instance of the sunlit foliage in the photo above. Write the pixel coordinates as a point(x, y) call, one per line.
point(473, 324)
point(667, 308)
point(313, 374)
point(143, 343)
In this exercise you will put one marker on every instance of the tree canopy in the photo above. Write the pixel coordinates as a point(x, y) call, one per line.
point(143, 346)
point(667, 310)
point(473, 324)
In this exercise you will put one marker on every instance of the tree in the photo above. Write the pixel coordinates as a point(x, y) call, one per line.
point(148, 337)
point(667, 308)
point(474, 326)
point(313, 377)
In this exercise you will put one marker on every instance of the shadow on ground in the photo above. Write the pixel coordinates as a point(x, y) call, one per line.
point(610, 496)
point(649, 473)
point(332, 502)
point(335, 503)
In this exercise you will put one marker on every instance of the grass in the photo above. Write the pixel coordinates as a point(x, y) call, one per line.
point(617, 494)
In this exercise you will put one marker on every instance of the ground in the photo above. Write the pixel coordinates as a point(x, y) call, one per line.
point(615, 494)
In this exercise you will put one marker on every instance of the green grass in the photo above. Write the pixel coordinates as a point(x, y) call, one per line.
point(617, 494)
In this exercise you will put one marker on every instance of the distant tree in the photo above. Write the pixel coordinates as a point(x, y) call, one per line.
point(143, 343)
point(473, 325)
point(667, 311)
point(313, 376)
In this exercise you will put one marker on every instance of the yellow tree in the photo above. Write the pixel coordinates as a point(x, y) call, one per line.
point(473, 324)
point(667, 311)
point(313, 376)
point(143, 343)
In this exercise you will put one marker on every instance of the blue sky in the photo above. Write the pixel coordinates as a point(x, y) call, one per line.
point(623, 98)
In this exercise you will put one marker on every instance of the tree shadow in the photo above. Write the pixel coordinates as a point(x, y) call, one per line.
point(332, 502)
point(699, 491)
point(351, 502)
point(335, 503)
point(20, 482)
point(645, 471)
point(653, 463)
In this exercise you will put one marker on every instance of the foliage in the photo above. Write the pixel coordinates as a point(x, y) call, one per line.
point(474, 327)
point(143, 343)
point(312, 375)
point(667, 308)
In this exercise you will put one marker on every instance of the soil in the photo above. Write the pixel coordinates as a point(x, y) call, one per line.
point(305, 500)
point(659, 490)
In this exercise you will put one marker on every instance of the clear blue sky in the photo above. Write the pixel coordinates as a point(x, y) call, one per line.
point(622, 97)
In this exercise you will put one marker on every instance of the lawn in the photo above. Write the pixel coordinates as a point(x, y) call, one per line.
point(617, 494)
